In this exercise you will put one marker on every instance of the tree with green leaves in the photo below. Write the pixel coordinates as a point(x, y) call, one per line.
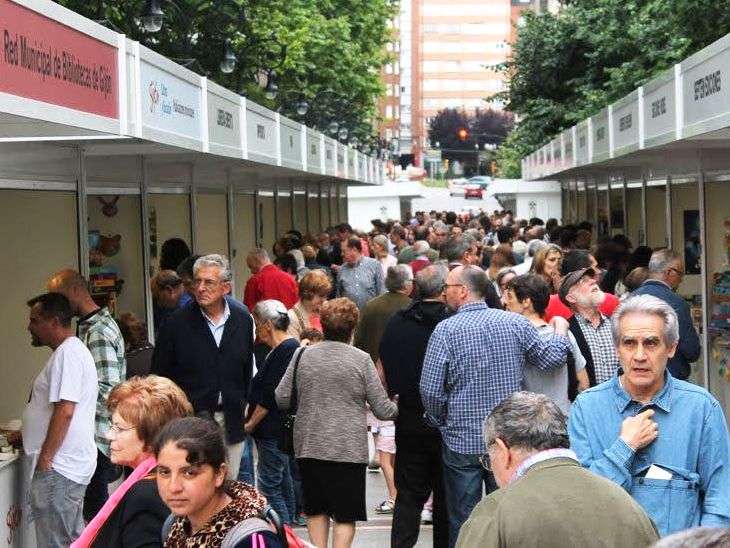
point(327, 52)
point(565, 67)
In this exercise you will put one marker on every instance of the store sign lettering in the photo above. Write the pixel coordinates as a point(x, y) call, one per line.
point(313, 150)
point(260, 131)
point(709, 85)
point(625, 122)
point(600, 134)
point(159, 94)
point(45, 60)
point(582, 141)
point(224, 119)
point(291, 141)
point(329, 154)
point(659, 107)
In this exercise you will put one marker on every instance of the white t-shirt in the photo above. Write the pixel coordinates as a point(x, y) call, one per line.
point(70, 375)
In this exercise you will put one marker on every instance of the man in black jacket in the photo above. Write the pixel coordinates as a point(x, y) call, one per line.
point(418, 467)
point(206, 347)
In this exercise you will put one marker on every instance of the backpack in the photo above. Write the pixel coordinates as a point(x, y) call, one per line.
point(252, 529)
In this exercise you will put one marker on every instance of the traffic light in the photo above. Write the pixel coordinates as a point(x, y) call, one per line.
point(462, 134)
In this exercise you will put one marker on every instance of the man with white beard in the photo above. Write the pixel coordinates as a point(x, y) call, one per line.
point(579, 291)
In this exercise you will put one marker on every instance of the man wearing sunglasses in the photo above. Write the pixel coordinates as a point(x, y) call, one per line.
point(666, 272)
point(545, 498)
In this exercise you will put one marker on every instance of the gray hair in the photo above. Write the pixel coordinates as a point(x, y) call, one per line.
point(647, 304)
point(272, 311)
point(527, 421)
point(661, 259)
point(475, 280)
point(430, 281)
point(697, 537)
point(440, 225)
point(214, 259)
point(260, 253)
point(456, 247)
point(533, 246)
point(420, 247)
point(381, 240)
point(397, 277)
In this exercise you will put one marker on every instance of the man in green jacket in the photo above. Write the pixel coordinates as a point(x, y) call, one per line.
point(545, 498)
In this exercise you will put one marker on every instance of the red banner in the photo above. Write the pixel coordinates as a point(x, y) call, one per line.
point(45, 60)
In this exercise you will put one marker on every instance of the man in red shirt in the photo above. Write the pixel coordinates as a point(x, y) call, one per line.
point(578, 259)
point(268, 281)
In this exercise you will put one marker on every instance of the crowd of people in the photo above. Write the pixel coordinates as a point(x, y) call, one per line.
point(524, 383)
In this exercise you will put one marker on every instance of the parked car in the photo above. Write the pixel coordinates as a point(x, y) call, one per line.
point(456, 186)
point(473, 191)
point(482, 180)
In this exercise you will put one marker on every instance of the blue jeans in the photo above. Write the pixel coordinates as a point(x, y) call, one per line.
point(245, 470)
point(56, 504)
point(275, 481)
point(463, 480)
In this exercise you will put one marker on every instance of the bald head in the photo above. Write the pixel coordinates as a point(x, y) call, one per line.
point(71, 284)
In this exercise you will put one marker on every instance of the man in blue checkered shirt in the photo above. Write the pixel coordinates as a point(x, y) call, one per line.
point(474, 360)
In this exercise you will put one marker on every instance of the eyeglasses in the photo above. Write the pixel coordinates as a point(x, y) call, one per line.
point(680, 273)
point(116, 429)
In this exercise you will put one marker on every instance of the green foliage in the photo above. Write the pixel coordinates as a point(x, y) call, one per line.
point(566, 67)
point(333, 45)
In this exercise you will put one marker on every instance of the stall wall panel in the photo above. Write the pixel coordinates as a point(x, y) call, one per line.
point(128, 261)
point(291, 144)
point(284, 213)
point(718, 261)
point(333, 207)
point(656, 224)
point(581, 205)
point(300, 212)
point(343, 208)
point(315, 214)
point(212, 224)
point(34, 251)
point(633, 212)
point(266, 222)
point(169, 218)
point(244, 239)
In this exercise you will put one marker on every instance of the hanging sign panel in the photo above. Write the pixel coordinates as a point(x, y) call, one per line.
point(600, 136)
point(581, 137)
point(48, 61)
point(224, 124)
point(170, 103)
point(660, 110)
point(625, 123)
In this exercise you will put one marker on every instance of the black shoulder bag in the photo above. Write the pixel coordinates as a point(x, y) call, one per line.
point(286, 439)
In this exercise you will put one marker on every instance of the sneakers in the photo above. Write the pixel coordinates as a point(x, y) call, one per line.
point(426, 516)
point(373, 468)
point(385, 507)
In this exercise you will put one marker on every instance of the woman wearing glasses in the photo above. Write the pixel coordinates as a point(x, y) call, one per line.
point(134, 513)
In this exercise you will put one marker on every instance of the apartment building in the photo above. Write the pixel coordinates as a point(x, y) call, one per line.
point(445, 52)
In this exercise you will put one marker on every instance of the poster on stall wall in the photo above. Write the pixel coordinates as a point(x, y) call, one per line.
point(692, 248)
point(48, 61)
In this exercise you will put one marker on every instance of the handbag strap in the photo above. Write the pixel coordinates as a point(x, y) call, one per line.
point(293, 403)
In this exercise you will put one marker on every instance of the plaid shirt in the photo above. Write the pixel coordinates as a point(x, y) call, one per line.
point(474, 360)
point(101, 335)
point(361, 282)
point(603, 351)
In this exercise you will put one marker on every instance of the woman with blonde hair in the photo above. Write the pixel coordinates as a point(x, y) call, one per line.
point(134, 513)
point(380, 252)
point(314, 288)
point(546, 264)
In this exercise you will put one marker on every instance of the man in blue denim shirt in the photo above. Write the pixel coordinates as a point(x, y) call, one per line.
point(663, 440)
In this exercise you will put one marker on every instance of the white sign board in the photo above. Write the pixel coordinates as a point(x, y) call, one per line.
point(291, 143)
point(625, 123)
point(581, 138)
point(660, 110)
point(261, 133)
point(171, 105)
point(599, 136)
point(224, 121)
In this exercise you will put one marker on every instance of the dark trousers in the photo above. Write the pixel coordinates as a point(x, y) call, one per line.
point(465, 481)
point(97, 492)
point(418, 472)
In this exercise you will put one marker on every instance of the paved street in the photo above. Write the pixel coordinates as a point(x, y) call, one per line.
point(375, 533)
point(439, 199)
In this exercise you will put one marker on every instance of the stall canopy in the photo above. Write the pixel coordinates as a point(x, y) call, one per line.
point(66, 79)
point(655, 165)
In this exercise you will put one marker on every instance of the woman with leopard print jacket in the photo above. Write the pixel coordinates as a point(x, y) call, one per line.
point(191, 472)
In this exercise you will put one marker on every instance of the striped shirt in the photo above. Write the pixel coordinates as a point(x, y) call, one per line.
point(474, 360)
point(600, 342)
point(101, 335)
